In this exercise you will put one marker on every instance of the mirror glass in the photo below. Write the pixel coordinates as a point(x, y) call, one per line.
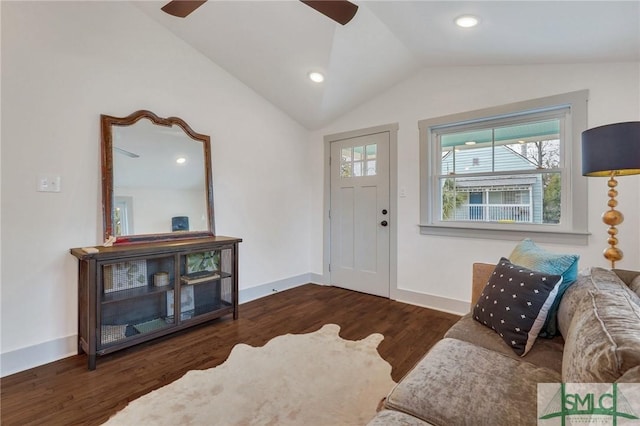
point(157, 179)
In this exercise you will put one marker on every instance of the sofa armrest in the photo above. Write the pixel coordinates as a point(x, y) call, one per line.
point(481, 274)
point(626, 276)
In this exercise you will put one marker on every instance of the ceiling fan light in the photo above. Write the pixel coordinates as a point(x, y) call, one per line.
point(467, 21)
point(316, 77)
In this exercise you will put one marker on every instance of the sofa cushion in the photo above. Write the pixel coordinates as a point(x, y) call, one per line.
point(631, 279)
point(595, 279)
point(634, 285)
point(389, 417)
point(529, 255)
point(545, 353)
point(630, 376)
point(459, 383)
point(515, 303)
point(626, 276)
point(603, 341)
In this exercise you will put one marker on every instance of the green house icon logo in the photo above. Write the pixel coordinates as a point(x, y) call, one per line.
point(588, 404)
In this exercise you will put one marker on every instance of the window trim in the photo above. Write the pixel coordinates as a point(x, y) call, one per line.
point(572, 230)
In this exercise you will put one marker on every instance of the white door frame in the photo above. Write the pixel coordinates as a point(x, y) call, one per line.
point(392, 129)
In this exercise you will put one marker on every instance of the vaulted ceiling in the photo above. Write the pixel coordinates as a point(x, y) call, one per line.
point(271, 46)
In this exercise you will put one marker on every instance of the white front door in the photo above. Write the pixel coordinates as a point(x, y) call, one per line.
point(359, 213)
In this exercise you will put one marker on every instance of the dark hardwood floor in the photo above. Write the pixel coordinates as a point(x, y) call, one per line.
point(66, 393)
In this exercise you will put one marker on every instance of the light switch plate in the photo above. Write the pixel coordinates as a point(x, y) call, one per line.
point(48, 183)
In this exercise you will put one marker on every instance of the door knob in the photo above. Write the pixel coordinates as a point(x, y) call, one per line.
point(384, 223)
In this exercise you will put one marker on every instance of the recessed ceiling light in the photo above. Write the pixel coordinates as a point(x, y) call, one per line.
point(316, 77)
point(467, 21)
point(181, 160)
point(470, 143)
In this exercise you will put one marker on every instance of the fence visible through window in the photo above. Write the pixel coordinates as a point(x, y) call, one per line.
point(504, 213)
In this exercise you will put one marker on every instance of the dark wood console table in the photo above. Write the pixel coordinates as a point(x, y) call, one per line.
point(129, 294)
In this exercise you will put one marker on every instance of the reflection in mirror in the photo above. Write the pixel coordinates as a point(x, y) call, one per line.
point(161, 172)
point(157, 178)
point(122, 215)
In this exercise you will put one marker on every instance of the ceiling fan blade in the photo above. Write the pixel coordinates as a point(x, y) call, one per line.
point(125, 152)
point(341, 11)
point(182, 8)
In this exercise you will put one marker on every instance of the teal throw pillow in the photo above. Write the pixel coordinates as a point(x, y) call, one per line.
point(529, 255)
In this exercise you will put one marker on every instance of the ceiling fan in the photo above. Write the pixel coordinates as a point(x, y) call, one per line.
point(341, 11)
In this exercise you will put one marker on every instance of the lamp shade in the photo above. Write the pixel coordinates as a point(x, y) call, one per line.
point(614, 147)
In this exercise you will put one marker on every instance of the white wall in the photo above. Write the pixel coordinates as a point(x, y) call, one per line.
point(64, 64)
point(441, 266)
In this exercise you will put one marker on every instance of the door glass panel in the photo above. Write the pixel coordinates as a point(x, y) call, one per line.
point(346, 155)
point(371, 151)
point(357, 168)
point(358, 161)
point(358, 153)
point(371, 168)
point(346, 159)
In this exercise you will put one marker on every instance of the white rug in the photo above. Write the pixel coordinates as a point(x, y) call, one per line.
point(315, 379)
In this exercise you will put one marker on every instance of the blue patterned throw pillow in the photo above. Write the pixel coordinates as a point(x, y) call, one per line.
point(529, 255)
point(515, 303)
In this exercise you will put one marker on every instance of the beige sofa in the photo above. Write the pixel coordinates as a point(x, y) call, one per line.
point(472, 377)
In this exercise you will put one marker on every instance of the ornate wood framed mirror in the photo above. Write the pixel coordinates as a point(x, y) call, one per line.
point(156, 179)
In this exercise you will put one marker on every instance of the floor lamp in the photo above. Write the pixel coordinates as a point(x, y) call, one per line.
point(610, 151)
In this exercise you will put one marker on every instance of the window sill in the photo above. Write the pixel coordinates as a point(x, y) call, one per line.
point(542, 236)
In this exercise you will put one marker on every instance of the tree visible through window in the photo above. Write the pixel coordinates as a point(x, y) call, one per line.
point(510, 169)
point(486, 171)
point(545, 154)
point(358, 161)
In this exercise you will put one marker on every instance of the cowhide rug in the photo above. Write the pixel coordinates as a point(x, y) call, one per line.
point(315, 379)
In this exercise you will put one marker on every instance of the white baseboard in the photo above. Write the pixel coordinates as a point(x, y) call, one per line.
point(439, 303)
point(253, 293)
point(32, 356)
point(317, 279)
point(46, 352)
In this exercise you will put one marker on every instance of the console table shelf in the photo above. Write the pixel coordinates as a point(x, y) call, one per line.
point(128, 294)
point(133, 293)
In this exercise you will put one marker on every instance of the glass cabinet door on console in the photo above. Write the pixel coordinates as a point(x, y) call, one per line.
point(134, 297)
point(128, 294)
point(206, 283)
